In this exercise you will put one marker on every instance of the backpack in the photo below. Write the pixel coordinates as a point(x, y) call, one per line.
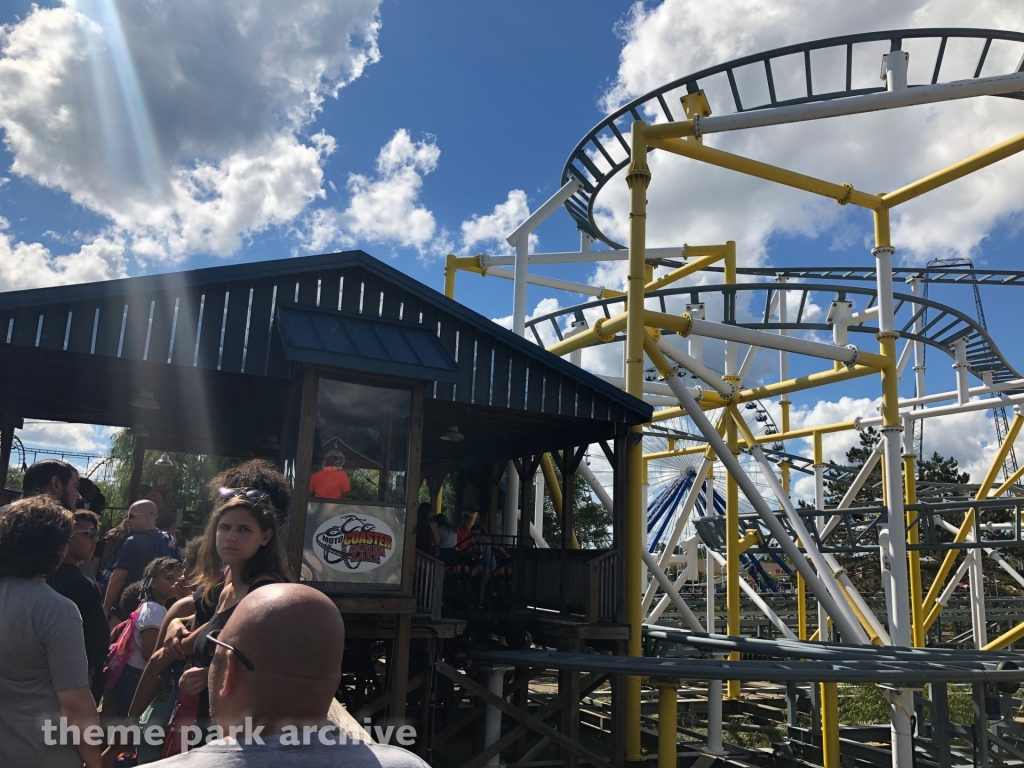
point(120, 653)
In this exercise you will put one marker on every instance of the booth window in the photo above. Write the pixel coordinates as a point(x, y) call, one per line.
point(355, 523)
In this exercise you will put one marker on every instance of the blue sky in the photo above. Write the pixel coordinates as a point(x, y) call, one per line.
point(440, 112)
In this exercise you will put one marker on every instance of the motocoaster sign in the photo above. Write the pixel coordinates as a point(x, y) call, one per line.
point(354, 542)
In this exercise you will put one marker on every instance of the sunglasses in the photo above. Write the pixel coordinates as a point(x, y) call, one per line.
point(90, 533)
point(133, 515)
point(255, 495)
point(212, 637)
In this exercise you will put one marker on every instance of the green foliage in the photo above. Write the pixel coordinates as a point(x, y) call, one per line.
point(938, 469)
point(593, 523)
point(14, 476)
point(186, 480)
point(837, 478)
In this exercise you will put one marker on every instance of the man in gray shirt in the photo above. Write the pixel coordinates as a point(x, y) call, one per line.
point(43, 670)
point(274, 674)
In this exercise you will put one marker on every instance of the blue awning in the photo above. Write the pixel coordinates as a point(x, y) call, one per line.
point(361, 343)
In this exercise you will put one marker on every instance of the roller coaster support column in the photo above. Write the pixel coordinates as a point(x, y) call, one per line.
point(892, 537)
point(732, 491)
point(913, 535)
point(732, 554)
point(520, 240)
point(819, 503)
point(668, 721)
point(714, 686)
point(638, 179)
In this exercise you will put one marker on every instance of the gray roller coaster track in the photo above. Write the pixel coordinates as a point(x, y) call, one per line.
point(944, 324)
point(604, 151)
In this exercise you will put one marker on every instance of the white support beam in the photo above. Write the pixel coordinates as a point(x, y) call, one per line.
point(872, 102)
point(851, 629)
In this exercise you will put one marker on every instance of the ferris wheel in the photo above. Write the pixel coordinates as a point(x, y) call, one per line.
point(669, 477)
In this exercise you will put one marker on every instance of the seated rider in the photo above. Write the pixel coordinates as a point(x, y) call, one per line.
point(331, 482)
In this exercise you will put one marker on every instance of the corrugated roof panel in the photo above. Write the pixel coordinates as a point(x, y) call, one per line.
point(363, 343)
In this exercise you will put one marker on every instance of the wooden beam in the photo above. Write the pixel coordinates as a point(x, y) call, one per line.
point(587, 686)
point(303, 465)
point(398, 671)
point(6, 442)
point(529, 721)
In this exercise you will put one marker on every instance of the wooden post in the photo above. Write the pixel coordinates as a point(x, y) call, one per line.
point(617, 458)
point(398, 674)
point(7, 428)
point(528, 486)
point(303, 464)
point(138, 459)
point(497, 469)
point(569, 691)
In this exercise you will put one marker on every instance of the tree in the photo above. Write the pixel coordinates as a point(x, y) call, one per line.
point(186, 480)
point(941, 470)
point(838, 477)
point(593, 523)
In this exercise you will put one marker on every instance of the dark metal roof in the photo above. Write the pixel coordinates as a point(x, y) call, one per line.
point(208, 344)
point(358, 343)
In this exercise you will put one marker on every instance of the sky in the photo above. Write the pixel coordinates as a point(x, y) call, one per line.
point(142, 137)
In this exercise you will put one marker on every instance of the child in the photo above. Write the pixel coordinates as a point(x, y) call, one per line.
point(153, 592)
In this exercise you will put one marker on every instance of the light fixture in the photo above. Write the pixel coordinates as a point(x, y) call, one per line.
point(163, 461)
point(452, 434)
point(145, 401)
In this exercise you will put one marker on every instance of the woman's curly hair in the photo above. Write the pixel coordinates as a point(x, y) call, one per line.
point(259, 474)
point(33, 535)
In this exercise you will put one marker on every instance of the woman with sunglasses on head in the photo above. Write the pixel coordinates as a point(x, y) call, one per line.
point(240, 552)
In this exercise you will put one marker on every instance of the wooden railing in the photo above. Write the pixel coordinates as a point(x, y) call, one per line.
point(590, 587)
point(428, 585)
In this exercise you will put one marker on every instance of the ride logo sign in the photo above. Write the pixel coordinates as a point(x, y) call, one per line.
point(354, 542)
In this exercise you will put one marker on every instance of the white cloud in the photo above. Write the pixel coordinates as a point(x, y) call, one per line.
point(969, 437)
point(544, 307)
point(181, 124)
point(700, 204)
point(31, 265)
point(82, 438)
point(490, 230)
point(385, 208)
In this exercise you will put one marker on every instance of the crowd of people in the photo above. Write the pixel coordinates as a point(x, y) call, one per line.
point(207, 645)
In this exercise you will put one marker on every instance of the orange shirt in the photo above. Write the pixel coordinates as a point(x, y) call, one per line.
point(329, 483)
point(464, 536)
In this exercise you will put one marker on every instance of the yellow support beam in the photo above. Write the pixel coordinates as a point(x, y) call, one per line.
point(638, 179)
point(841, 193)
point(603, 330)
point(803, 382)
point(452, 264)
point(751, 538)
point(830, 725)
point(668, 722)
point(1006, 639)
point(1008, 484)
point(956, 171)
point(687, 269)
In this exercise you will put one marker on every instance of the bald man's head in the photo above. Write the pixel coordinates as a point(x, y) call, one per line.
point(295, 637)
point(142, 515)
